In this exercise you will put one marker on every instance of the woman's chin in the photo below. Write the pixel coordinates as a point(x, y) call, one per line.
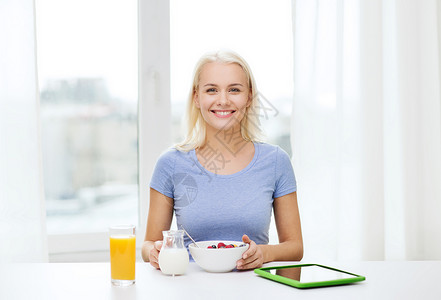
point(225, 128)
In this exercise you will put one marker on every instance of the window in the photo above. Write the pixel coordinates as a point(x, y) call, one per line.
point(87, 64)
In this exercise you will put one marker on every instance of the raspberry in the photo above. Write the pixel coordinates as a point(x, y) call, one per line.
point(221, 245)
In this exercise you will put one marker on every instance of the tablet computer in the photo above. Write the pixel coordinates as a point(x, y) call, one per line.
point(308, 275)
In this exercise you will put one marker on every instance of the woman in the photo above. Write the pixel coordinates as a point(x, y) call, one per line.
point(221, 182)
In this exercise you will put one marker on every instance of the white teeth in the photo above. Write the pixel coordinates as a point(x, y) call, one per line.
point(223, 113)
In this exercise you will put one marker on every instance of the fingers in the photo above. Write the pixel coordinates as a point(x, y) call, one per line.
point(251, 251)
point(252, 248)
point(252, 263)
point(246, 239)
point(158, 245)
point(252, 258)
point(153, 258)
point(154, 254)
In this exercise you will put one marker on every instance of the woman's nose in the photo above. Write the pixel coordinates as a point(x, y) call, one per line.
point(223, 99)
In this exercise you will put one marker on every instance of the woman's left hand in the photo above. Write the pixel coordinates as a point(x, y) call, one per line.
point(252, 258)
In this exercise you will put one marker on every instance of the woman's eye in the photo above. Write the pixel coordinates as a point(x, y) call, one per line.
point(234, 90)
point(211, 90)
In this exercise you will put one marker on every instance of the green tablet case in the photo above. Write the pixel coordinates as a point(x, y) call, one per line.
point(292, 282)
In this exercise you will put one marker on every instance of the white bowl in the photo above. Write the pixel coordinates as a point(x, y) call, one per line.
point(217, 260)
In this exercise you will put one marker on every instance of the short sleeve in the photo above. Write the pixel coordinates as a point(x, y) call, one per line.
point(163, 174)
point(285, 178)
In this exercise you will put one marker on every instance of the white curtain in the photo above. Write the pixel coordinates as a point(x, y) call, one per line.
point(22, 214)
point(366, 128)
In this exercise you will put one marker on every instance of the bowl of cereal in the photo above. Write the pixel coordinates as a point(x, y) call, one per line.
point(217, 256)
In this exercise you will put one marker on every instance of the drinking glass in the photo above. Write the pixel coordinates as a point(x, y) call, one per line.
point(122, 254)
point(173, 257)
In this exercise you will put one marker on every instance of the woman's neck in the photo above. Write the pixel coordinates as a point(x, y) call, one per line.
point(228, 142)
point(225, 152)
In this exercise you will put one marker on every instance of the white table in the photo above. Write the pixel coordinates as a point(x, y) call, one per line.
point(384, 280)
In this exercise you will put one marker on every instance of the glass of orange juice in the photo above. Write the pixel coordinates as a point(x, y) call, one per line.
point(122, 254)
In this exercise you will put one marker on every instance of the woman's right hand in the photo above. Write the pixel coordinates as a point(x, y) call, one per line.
point(154, 254)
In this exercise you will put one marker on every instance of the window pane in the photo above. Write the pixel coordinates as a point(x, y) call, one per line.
point(87, 64)
point(260, 31)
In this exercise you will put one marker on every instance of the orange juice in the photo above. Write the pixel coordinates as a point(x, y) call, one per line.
point(122, 257)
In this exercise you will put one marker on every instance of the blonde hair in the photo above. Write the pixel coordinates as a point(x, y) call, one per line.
point(196, 127)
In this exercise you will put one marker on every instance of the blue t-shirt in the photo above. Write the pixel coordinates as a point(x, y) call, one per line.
point(224, 207)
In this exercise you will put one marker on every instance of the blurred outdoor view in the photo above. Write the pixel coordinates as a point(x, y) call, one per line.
point(87, 61)
point(87, 55)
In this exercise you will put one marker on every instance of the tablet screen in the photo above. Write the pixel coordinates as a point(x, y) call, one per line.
point(307, 274)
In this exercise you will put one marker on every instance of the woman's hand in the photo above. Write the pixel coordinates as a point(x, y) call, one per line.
point(154, 254)
point(252, 258)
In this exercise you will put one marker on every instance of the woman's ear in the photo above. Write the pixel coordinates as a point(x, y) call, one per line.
point(196, 99)
point(250, 99)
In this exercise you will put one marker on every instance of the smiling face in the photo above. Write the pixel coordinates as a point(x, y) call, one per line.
point(223, 94)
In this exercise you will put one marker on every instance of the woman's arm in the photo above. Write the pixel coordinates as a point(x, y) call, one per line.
point(287, 218)
point(159, 219)
point(290, 247)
